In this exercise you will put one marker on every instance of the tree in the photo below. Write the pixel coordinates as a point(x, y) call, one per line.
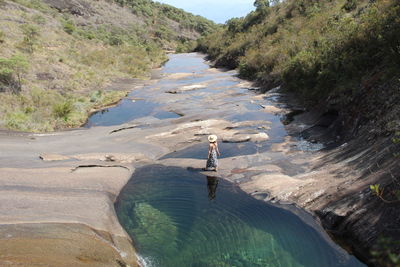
point(260, 4)
point(11, 72)
point(235, 25)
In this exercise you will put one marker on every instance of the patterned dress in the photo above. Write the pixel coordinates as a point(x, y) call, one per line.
point(212, 161)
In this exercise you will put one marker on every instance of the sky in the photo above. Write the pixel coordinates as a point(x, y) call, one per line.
point(217, 10)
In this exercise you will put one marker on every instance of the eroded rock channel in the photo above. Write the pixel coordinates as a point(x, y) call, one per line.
point(152, 146)
point(179, 216)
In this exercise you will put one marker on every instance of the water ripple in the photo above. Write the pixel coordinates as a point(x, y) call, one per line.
point(169, 214)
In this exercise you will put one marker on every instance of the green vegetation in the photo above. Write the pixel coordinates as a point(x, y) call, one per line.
point(378, 191)
point(2, 37)
point(25, 112)
point(341, 55)
point(384, 252)
point(12, 71)
point(53, 63)
point(31, 37)
point(318, 49)
point(160, 14)
point(69, 26)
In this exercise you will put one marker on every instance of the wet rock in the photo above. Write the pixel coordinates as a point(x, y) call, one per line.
point(327, 119)
point(179, 75)
point(192, 87)
point(186, 88)
point(288, 118)
point(238, 138)
point(260, 195)
point(330, 219)
point(271, 109)
point(259, 137)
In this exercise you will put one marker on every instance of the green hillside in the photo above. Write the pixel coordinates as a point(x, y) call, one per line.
point(331, 53)
point(57, 56)
point(339, 57)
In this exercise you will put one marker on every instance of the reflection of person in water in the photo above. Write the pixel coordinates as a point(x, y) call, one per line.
point(212, 183)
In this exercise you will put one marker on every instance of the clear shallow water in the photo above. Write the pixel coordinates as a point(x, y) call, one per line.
point(125, 111)
point(149, 101)
point(200, 151)
point(178, 217)
point(185, 63)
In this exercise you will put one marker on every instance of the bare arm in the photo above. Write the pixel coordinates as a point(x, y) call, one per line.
point(216, 148)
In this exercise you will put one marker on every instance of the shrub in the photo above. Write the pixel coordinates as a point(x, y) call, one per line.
point(17, 121)
point(115, 40)
point(39, 19)
point(63, 109)
point(31, 37)
point(185, 46)
point(69, 26)
point(311, 46)
point(2, 37)
point(96, 96)
point(12, 71)
point(350, 5)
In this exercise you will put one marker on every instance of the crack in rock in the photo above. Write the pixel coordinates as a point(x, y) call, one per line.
point(124, 128)
point(99, 166)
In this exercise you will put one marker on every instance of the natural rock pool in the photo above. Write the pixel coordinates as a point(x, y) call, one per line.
point(177, 216)
point(181, 218)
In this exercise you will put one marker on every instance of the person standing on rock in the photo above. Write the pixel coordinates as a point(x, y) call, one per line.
point(212, 161)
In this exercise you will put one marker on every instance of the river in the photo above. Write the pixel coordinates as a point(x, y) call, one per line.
point(178, 215)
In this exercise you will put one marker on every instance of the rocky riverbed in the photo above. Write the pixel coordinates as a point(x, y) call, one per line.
point(58, 189)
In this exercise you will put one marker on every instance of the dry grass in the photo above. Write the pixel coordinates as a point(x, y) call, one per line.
point(65, 70)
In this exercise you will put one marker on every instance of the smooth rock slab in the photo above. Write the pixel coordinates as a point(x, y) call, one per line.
point(72, 200)
point(62, 245)
point(277, 184)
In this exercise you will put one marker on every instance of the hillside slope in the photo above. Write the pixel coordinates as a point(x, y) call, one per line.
point(329, 53)
point(341, 58)
point(57, 56)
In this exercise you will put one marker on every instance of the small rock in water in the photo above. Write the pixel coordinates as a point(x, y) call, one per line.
point(271, 109)
point(192, 87)
point(236, 138)
point(259, 137)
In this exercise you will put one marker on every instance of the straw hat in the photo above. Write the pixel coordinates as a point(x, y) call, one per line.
point(212, 138)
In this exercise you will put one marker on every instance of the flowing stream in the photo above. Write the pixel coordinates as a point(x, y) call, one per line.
point(181, 217)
